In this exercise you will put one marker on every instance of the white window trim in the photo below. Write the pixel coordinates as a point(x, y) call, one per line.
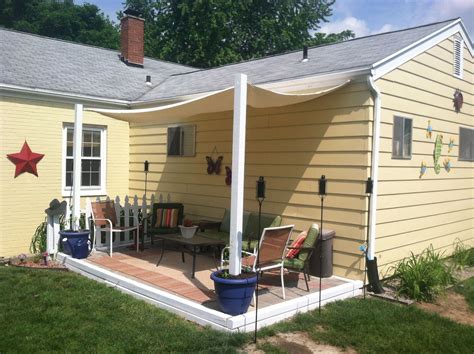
point(403, 157)
point(461, 56)
point(86, 191)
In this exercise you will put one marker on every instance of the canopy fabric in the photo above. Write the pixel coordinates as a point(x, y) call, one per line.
point(219, 101)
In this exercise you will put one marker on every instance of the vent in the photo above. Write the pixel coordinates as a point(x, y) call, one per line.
point(458, 57)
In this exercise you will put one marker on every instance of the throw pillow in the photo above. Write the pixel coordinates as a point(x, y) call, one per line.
point(298, 242)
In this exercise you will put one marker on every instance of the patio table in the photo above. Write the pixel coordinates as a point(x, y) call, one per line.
point(189, 245)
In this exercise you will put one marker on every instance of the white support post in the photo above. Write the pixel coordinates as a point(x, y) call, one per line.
point(77, 153)
point(238, 167)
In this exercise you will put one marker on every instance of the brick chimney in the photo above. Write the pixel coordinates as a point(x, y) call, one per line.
point(131, 38)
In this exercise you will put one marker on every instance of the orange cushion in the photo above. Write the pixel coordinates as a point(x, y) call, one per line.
point(298, 242)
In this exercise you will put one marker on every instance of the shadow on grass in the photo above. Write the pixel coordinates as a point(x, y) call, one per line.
point(43, 311)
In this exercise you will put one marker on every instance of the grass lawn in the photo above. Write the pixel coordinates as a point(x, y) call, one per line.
point(60, 311)
point(57, 312)
point(466, 288)
point(376, 326)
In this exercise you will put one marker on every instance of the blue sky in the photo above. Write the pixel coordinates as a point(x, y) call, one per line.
point(367, 17)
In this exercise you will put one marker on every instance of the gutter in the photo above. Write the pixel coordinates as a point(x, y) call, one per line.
point(374, 174)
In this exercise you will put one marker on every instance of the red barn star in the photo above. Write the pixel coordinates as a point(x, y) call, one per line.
point(25, 160)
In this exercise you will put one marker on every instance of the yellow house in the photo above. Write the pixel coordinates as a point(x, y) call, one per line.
point(390, 111)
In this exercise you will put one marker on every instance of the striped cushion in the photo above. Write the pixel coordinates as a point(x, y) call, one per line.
point(166, 218)
point(298, 242)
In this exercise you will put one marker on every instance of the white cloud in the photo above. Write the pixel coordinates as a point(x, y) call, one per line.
point(358, 26)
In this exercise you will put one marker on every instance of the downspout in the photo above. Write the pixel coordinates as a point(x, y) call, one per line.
point(374, 174)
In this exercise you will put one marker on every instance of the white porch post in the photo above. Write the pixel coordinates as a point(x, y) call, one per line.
point(77, 153)
point(238, 167)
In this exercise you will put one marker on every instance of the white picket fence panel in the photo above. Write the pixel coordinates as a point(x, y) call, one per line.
point(131, 206)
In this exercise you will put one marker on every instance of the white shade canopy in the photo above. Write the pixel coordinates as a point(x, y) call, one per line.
point(219, 101)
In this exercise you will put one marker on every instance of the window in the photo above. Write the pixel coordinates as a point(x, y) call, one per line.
point(466, 144)
point(458, 57)
point(92, 160)
point(402, 136)
point(181, 140)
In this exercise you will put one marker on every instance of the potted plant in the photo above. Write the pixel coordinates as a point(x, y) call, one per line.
point(234, 292)
point(188, 229)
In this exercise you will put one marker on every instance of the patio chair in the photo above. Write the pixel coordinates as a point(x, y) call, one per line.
point(165, 219)
point(273, 248)
point(105, 219)
point(300, 263)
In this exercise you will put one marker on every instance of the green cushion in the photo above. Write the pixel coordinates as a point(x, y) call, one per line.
point(266, 221)
point(162, 230)
point(310, 241)
point(216, 235)
point(294, 263)
point(225, 224)
point(245, 245)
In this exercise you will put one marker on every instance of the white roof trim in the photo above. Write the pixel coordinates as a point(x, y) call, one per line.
point(393, 61)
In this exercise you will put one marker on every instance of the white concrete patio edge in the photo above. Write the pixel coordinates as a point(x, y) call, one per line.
point(205, 316)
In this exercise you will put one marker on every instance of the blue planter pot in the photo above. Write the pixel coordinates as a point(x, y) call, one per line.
point(234, 295)
point(76, 243)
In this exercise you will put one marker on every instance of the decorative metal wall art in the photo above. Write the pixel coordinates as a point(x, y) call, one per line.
point(214, 166)
point(25, 160)
point(450, 145)
point(429, 130)
point(228, 176)
point(458, 100)
point(423, 168)
point(447, 164)
point(437, 152)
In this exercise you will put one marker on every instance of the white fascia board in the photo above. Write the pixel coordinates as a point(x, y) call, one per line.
point(29, 92)
point(393, 61)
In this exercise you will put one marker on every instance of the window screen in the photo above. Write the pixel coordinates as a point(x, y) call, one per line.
point(466, 144)
point(402, 138)
point(181, 140)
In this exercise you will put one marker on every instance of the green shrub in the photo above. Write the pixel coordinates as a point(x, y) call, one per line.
point(425, 276)
point(463, 256)
point(38, 241)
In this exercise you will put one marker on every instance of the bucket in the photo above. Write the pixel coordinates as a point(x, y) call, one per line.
point(76, 243)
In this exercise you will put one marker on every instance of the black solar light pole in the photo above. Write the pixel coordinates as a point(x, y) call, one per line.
point(322, 194)
point(369, 187)
point(260, 199)
point(146, 166)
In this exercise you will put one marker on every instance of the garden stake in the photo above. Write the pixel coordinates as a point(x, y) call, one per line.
point(260, 199)
point(369, 186)
point(322, 194)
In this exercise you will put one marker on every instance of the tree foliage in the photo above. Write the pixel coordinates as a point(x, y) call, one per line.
point(60, 19)
point(206, 33)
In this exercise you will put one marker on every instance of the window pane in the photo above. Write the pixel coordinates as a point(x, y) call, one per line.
point(96, 137)
point(70, 134)
point(174, 141)
point(85, 179)
point(95, 165)
point(95, 179)
point(68, 179)
point(466, 144)
point(96, 150)
point(397, 141)
point(69, 165)
point(407, 138)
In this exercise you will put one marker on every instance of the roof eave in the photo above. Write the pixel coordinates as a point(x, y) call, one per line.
point(394, 60)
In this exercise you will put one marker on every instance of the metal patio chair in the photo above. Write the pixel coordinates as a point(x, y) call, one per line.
point(105, 219)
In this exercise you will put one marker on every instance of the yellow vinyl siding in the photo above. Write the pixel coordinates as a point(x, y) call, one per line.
point(436, 209)
point(292, 147)
point(23, 199)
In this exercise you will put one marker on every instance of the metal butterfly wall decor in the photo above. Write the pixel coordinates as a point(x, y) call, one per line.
point(228, 176)
point(214, 166)
point(458, 100)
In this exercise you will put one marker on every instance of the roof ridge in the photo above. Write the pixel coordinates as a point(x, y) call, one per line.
point(116, 51)
point(316, 46)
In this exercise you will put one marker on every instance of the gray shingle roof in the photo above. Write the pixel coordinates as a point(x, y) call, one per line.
point(357, 53)
point(38, 62)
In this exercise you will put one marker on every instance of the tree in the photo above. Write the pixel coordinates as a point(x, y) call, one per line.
point(60, 19)
point(206, 33)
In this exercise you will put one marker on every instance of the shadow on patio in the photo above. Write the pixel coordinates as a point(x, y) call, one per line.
point(172, 275)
